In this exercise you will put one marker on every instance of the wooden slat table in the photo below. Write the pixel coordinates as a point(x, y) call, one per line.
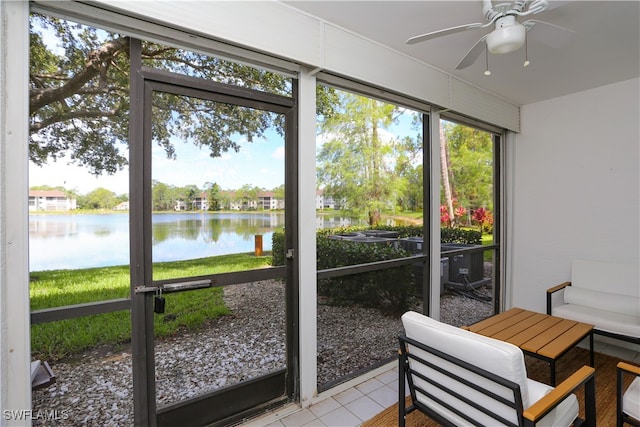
point(539, 335)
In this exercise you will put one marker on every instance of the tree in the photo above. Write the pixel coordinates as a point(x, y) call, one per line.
point(122, 198)
point(246, 195)
point(444, 173)
point(470, 166)
point(79, 97)
point(409, 170)
point(100, 198)
point(226, 199)
point(213, 196)
point(161, 195)
point(355, 164)
point(190, 193)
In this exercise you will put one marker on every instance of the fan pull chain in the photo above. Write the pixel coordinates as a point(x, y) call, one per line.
point(526, 51)
point(486, 58)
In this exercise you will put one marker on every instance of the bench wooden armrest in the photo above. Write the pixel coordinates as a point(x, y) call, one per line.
point(542, 407)
point(558, 287)
point(551, 291)
point(628, 367)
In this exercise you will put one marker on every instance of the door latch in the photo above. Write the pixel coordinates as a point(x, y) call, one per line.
point(290, 254)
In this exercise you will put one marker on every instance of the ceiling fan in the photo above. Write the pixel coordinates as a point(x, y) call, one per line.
point(509, 35)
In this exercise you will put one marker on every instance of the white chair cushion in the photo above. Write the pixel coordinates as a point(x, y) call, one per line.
point(602, 320)
point(631, 399)
point(562, 415)
point(605, 301)
point(612, 277)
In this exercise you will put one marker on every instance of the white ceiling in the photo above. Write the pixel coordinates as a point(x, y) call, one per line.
point(606, 48)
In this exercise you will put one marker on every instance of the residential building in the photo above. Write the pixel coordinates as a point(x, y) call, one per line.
point(200, 203)
point(50, 200)
point(124, 206)
point(324, 201)
point(180, 206)
point(268, 201)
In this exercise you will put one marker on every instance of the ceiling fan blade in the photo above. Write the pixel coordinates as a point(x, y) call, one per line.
point(550, 34)
point(554, 4)
point(473, 54)
point(446, 31)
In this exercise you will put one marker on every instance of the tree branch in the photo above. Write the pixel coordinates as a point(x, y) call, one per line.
point(96, 59)
point(70, 115)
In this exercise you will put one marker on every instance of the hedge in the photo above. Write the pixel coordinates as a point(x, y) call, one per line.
point(387, 290)
point(447, 235)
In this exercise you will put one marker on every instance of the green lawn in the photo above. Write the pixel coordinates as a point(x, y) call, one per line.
point(184, 310)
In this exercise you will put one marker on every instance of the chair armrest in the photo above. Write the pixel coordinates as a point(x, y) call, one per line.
point(542, 407)
point(623, 368)
point(628, 367)
point(558, 287)
point(553, 290)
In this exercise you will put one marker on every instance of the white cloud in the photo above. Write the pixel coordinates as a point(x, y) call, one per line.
point(278, 153)
point(73, 177)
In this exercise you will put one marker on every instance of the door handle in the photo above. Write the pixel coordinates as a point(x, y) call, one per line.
point(176, 287)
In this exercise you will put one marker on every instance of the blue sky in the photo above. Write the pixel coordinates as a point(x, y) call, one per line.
point(260, 163)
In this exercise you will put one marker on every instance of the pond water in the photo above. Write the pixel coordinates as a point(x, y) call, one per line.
point(96, 240)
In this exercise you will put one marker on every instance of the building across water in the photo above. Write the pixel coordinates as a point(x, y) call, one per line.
point(50, 200)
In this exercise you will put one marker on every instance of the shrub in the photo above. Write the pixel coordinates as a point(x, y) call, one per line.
point(387, 290)
point(460, 235)
point(484, 219)
point(278, 248)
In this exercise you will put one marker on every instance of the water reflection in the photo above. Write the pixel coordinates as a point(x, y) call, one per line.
point(94, 240)
point(210, 227)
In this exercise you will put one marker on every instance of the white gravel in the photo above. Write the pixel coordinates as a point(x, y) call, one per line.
point(95, 388)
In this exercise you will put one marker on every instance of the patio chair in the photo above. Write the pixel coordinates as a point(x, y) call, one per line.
point(628, 401)
point(457, 377)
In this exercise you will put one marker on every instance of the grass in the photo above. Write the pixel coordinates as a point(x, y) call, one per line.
point(184, 310)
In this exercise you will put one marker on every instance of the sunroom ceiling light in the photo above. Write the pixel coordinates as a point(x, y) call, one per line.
point(508, 36)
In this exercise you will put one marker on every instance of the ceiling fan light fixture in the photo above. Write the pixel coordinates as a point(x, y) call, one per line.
point(508, 36)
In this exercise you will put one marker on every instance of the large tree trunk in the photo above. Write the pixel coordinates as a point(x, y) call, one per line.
point(375, 216)
point(444, 170)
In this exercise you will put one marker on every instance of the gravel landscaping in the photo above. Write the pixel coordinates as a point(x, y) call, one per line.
point(95, 388)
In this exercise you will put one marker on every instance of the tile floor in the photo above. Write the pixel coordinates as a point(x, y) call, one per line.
point(359, 400)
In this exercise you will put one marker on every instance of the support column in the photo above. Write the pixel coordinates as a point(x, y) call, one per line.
point(433, 205)
point(15, 348)
point(307, 236)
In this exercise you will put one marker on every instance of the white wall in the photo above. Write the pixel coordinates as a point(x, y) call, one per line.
point(575, 187)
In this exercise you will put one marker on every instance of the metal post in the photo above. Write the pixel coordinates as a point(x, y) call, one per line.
point(144, 393)
point(258, 244)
